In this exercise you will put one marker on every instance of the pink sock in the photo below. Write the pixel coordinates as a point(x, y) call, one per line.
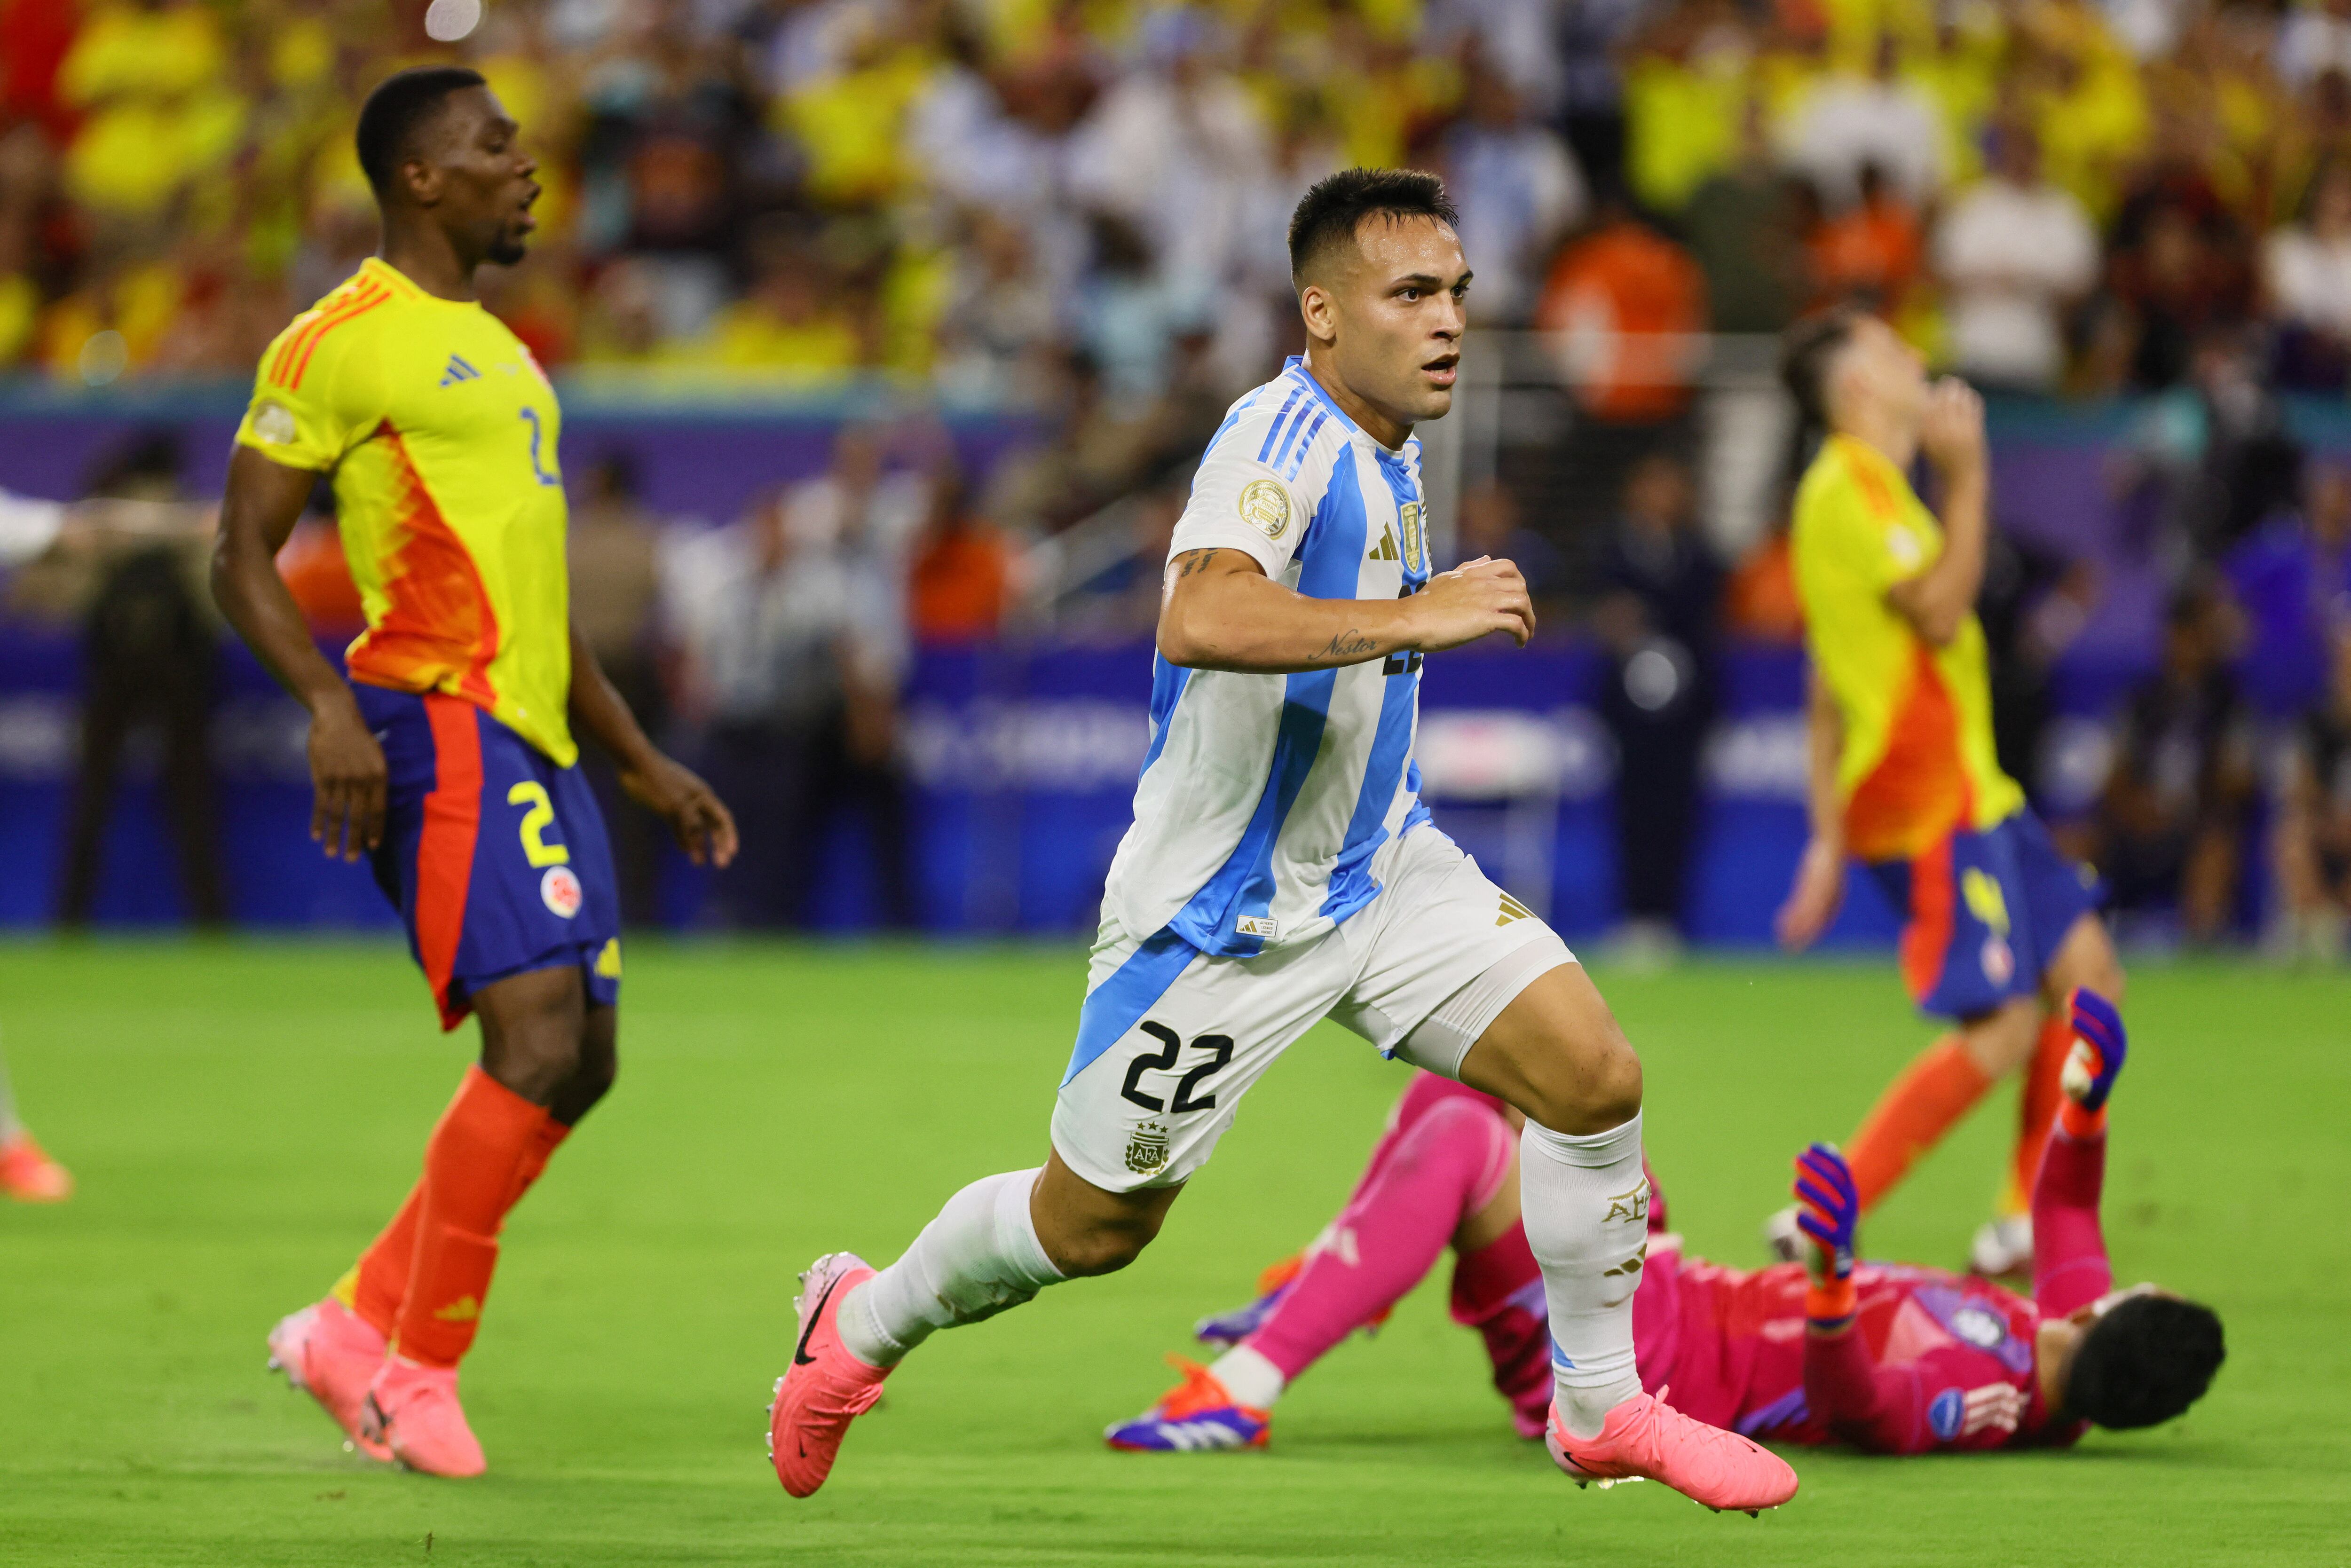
point(1443, 1158)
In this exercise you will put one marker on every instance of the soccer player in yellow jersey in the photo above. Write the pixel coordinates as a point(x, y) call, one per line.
point(444, 750)
point(2000, 926)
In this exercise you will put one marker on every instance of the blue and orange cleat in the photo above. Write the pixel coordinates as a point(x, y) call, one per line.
point(1225, 1329)
point(1197, 1414)
point(1646, 1439)
point(332, 1354)
point(826, 1387)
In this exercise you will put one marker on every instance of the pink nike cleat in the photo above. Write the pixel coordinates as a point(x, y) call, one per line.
point(29, 1175)
point(331, 1353)
point(412, 1410)
point(825, 1387)
point(1646, 1439)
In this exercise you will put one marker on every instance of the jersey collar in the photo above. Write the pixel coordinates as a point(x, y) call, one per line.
point(1295, 367)
point(391, 278)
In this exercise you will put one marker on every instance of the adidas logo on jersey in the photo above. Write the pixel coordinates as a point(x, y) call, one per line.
point(1387, 548)
point(1513, 910)
point(459, 371)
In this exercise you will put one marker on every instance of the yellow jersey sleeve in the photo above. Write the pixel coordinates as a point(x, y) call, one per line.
point(313, 399)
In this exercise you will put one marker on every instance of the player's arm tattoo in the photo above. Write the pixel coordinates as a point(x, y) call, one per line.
point(1348, 646)
point(1193, 560)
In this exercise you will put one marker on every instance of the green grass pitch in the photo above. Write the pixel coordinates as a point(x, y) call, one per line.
point(242, 1116)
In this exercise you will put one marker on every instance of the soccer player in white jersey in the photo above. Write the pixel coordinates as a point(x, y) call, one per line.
point(1282, 869)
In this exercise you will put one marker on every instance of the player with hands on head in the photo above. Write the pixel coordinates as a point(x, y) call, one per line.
point(1282, 868)
point(2000, 927)
point(444, 751)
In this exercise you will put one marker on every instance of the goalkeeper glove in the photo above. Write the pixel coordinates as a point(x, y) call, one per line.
point(2099, 1046)
point(1828, 1209)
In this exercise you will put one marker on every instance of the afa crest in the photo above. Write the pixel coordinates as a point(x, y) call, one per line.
point(1147, 1149)
point(1410, 517)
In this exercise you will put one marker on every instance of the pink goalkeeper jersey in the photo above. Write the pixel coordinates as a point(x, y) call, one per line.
point(1933, 1360)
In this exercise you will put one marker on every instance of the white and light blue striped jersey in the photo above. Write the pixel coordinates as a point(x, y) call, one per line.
point(1263, 798)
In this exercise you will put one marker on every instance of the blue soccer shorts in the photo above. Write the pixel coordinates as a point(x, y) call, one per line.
point(1986, 914)
point(494, 855)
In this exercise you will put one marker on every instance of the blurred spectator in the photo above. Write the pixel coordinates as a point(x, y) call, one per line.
point(767, 619)
point(1517, 188)
point(2306, 272)
point(963, 569)
point(614, 554)
point(2293, 576)
point(1625, 307)
point(2314, 40)
point(2016, 253)
point(2034, 605)
point(2170, 828)
point(1747, 227)
point(1657, 618)
point(2178, 270)
point(2311, 843)
point(1870, 253)
point(1492, 524)
point(148, 655)
point(1759, 603)
point(1848, 122)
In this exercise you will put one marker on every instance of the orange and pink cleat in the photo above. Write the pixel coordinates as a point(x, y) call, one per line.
point(1646, 1439)
point(826, 1387)
point(413, 1411)
point(331, 1353)
point(29, 1175)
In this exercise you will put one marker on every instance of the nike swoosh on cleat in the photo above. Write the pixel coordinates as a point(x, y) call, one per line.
point(801, 1357)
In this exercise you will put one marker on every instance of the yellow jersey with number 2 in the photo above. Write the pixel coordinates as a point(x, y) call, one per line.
point(1919, 760)
point(439, 429)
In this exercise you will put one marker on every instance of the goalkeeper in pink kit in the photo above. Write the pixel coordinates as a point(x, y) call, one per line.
point(1892, 1358)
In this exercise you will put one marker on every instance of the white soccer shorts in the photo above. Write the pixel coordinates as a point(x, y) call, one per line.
point(1170, 1040)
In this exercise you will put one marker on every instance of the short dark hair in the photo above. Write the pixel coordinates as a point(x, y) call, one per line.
point(398, 108)
point(1807, 350)
point(2149, 1358)
point(1338, 205)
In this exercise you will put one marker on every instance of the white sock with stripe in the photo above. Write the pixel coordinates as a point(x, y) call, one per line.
point(1587, 1206)
point(980, 1256)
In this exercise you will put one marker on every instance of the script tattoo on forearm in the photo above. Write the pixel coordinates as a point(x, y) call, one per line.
point(1348, 646)
point(1193, 560)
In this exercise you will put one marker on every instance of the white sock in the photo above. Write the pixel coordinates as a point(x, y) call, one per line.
point(1586, 1207)
point(1248, 1377)
point(980, 1256)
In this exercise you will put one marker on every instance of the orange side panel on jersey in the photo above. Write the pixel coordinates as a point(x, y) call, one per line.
point(444, 849)
point(438, 621)
point(1918, 790)
point(286, 369)
point(1927, 935)
point(1871, 486)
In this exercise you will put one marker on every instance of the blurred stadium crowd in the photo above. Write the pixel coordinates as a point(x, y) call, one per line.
point(1074, 209)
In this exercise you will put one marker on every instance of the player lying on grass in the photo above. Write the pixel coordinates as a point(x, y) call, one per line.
point(1893, 1358)
point(1282, 869)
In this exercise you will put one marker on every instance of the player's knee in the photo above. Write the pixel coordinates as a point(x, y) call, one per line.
point(1103, 1248)
point(1589, 1089)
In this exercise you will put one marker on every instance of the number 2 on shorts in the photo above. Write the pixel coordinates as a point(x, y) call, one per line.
point(535, 847)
